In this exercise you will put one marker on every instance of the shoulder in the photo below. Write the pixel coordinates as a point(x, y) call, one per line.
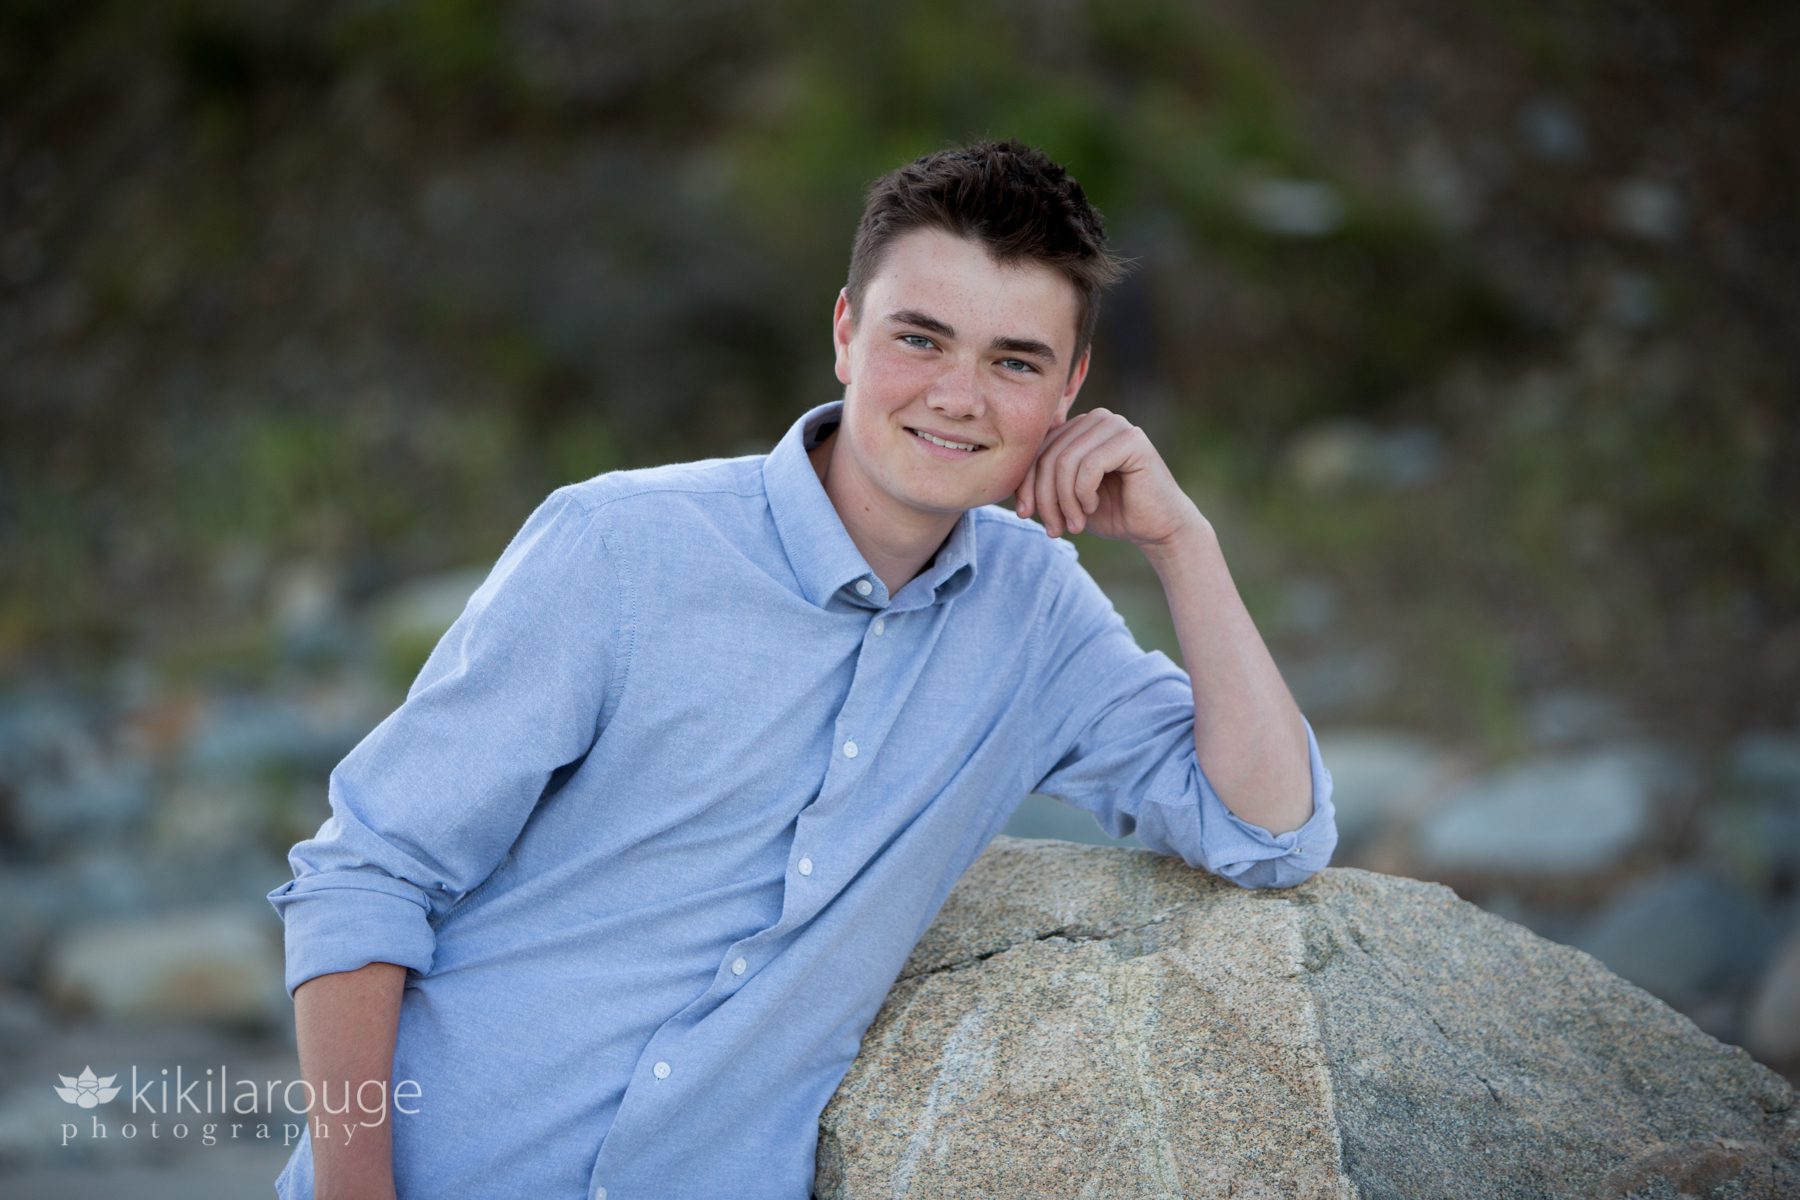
point(720, 478)
point(1039, 575)
point(1020, 548)
point(662, 517)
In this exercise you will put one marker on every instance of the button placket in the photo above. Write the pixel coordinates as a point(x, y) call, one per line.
point(866, 686)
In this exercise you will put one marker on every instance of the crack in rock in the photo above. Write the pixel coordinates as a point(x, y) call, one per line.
point(1073, 932)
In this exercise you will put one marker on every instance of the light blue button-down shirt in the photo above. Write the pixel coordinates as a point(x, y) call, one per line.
point(666, 809)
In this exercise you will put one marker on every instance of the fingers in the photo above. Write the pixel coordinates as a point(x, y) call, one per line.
point(1026, 503)
point(1039, 488)
point(1061, 478)
point(1092, 468)
point(1064, 484)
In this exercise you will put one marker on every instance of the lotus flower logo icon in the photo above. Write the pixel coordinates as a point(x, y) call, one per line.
point(87, 1090)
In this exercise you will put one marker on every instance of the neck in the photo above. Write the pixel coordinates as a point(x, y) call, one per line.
point(895, 545)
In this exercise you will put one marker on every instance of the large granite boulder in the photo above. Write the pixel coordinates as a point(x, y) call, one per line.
point(1098, 1022)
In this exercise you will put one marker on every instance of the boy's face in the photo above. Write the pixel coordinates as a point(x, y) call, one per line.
point(952, 344)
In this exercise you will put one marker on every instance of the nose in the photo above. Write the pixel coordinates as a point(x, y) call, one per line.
point(957, 393)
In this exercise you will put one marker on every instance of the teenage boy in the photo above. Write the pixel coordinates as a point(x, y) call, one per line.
point(615, 892)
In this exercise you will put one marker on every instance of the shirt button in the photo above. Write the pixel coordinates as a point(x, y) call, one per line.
point(806, 866)
point(661, 1070)
point(864, 587)
point(880, 626)
point(849, 749)
point(599, 1193)
point(737, 966)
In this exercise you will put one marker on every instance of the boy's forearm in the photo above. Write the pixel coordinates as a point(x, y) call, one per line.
point(1248, 730)
point(345, 1024)
point(1099, 473)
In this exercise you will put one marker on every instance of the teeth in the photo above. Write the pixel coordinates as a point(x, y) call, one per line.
point(938, 441)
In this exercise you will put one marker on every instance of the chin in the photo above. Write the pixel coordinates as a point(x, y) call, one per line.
point(945, 505)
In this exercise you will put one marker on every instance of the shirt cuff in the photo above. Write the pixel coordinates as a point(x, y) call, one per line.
point(1252, 857)
point(340, 921)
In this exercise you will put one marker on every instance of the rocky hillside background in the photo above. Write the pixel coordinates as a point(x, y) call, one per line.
point(1469, 327)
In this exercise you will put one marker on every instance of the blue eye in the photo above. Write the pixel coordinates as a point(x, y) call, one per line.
point(1021, 362)
point(918, 338)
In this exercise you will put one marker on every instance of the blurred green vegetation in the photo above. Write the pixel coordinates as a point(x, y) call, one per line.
point(393, 392)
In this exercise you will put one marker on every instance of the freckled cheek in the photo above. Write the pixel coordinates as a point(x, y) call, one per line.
point(1011, 468)
point(895, 379)
point(1021, 439)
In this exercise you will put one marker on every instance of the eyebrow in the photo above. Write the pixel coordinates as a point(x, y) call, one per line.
point(1013, 345)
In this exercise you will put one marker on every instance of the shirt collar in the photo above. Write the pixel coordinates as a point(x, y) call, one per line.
point(824, 559)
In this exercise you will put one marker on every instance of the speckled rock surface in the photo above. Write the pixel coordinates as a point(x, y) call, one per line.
point(1097, 1022)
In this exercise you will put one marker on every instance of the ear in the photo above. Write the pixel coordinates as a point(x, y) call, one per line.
point(843, 328)
point(1076, 378)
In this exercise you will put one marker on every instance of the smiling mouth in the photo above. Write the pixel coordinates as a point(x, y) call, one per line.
point(969, 447)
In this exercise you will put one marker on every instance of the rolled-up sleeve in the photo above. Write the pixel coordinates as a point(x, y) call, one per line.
point(1119, 743)
point(428, 804)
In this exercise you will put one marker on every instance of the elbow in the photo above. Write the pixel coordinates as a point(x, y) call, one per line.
point(1273, 873)
point(1287, 870)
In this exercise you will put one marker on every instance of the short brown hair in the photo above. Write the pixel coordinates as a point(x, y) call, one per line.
point(1007, 196)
